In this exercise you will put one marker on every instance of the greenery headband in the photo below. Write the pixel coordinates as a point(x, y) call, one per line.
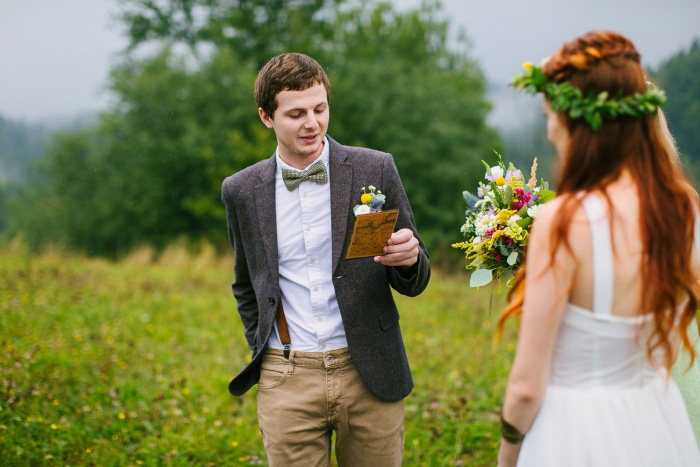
point(593, 108)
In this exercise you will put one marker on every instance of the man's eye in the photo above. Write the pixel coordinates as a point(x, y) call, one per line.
point(295, 115)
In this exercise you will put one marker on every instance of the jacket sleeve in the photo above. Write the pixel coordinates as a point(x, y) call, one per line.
point(407, 281)
point(242, 286)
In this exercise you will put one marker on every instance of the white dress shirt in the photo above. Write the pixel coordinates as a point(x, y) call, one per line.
point(304, 254)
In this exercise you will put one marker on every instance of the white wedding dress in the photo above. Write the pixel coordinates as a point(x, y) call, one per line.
point(605, 404)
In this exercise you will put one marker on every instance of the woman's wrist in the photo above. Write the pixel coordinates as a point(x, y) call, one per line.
point(509, 433)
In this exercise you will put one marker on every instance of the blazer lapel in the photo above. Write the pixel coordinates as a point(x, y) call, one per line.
point(341, 191)
point(266, 213)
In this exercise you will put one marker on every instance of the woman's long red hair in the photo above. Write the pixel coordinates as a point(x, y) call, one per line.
point(607, 61)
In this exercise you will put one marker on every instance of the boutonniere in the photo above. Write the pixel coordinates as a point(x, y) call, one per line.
point(371, 202)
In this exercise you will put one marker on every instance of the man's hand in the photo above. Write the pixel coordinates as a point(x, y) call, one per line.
point(402, 250)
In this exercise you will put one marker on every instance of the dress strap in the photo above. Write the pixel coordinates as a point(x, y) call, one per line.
point(602, 255)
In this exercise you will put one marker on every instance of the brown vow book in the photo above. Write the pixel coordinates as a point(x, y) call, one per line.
point(371, 234)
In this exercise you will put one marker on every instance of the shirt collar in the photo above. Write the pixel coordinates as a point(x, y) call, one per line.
point(324, 156)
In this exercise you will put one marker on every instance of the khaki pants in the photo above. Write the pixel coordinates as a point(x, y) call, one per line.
point(301, 401)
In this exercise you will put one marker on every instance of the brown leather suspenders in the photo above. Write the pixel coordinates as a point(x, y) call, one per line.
point(283, 330)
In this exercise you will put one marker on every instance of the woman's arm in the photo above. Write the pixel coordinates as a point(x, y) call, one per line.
point(546, 294)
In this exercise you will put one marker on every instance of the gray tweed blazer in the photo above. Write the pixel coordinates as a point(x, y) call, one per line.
point(362, 287)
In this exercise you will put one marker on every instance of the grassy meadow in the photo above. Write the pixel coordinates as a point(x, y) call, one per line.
point(127, 364)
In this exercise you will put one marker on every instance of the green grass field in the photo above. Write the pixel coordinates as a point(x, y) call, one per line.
point(127, 364)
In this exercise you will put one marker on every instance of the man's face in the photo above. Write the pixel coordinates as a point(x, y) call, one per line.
point(300, 123)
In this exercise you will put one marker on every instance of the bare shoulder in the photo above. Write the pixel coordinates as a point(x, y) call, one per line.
point(550, 212)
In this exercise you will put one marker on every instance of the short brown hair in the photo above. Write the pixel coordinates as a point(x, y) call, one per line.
point(287, 72)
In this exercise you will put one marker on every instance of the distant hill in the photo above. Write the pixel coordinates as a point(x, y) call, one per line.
point(21, 144)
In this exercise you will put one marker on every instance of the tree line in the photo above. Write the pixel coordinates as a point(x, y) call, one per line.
point(150, 170)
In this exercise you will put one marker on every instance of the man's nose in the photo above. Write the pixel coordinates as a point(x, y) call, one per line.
point(311, 121)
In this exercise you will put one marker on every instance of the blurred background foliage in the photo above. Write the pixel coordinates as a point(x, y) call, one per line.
point(148, 171)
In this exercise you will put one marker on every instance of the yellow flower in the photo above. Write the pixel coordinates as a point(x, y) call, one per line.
point(185, 391)
point(53, 426)
point(88, 450)
point(122, 416)
point(366, 198)
point(500, 181)
point(503, 216)
point(527, 66)
point(234, 443)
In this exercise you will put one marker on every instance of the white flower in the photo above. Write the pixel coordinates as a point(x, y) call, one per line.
point(513, 219)
point(371, 188)
point(533, 211)
point(496, 171)
point(364, 209)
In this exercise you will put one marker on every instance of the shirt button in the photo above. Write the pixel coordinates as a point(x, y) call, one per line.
point(319, 319)
point(312, 260)
point(307, 228)
point(305, 195)
point(316, 288)
point(323, 346)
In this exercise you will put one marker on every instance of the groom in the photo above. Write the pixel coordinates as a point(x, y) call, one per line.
point(327, 348)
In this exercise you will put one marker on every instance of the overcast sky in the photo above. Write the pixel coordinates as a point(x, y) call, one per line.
point(55, 55)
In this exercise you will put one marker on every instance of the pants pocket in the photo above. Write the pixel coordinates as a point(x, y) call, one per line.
point(272, 374)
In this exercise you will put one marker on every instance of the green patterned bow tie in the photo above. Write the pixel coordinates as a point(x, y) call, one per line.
point(316, 173)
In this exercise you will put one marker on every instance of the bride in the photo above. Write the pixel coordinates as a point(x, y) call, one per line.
point(610, 286)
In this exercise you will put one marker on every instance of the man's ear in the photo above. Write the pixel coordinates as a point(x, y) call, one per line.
point(266, 119)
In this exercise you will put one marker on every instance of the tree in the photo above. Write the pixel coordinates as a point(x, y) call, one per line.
point(397, 87)
point(679, 76)
point(152, 169)
point(254, 29)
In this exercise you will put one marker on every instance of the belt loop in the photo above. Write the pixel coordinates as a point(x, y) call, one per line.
point(290, 362)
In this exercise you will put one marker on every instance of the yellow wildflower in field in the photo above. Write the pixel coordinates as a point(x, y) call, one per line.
point(53, 426)
point(122, 416)
point(185, 391)
point(234, 443)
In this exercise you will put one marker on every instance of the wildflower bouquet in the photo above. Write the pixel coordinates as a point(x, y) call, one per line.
point(499, 219)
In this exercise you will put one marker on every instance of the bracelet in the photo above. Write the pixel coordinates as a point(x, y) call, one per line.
point(510, 433)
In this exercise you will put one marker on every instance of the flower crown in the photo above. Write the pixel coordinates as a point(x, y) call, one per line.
point(593, 108)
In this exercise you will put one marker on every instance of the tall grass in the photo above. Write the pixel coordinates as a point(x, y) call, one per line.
point(127, 364)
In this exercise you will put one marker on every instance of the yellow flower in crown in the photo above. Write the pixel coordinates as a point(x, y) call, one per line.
point(500, 181)
point(527, 66)
point(366, 198)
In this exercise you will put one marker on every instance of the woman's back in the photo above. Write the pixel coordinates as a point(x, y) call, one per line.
point(599, 346)
point(626, 245)
point(606, 403)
